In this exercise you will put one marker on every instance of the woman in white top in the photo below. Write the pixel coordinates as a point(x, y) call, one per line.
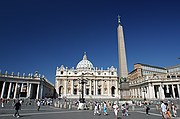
point(116, 110)
point(163, 110)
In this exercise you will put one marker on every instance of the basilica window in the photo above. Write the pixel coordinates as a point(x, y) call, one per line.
point(75, 91)
point(61, 72)
point(99, 91)
point(112, 73)
point(87, 91)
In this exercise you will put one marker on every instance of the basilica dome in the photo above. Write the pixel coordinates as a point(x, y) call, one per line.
point(84, 64)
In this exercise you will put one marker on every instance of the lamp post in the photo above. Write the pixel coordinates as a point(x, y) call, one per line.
point(82, 81)
point(81, 105)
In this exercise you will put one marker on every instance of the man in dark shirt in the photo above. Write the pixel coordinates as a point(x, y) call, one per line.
point(17, 107)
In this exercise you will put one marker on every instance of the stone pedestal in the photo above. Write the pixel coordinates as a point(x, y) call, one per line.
point(124, 91)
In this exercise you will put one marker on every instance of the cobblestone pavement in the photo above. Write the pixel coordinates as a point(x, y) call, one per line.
point(50, 112)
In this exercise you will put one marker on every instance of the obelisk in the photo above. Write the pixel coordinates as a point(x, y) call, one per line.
point(123, 77)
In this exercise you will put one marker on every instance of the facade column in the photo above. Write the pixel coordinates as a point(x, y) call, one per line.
point(108, 87)
point(78, 89)
point(84, 89)
point(37, 93)
point(72, 87)
point(116, 93)
point(94, 87)
point(3, 89)
point(15, 91)
point(90, 89)
point(102, 87)
point(173, 91)
point(178, 90)
point(9, 90)
point(136, 92)
point(65, 87)
point(22, 87)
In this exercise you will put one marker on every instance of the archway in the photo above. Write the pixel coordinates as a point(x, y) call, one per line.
point(113, 91)
point(60, 90)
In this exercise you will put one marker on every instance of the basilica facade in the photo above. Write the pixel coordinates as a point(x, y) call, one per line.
point(86, 80)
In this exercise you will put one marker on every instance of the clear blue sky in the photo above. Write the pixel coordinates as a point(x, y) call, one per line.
point(40, 35)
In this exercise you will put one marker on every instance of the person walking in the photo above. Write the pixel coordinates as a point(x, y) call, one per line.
point(105, 108)
point(38, 105)
point(116, 110)
point(17, 107)
point(147, 108)
point(163, 110)
point(96, 108)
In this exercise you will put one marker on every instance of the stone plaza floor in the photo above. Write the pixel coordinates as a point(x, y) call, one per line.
point(50, 112)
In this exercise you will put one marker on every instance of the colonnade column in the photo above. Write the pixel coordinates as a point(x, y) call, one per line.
point(173, 91)
point(161, 91)
point(15, 90)
point(3, 88)
point(9, 90)
point(29, 91)
point(151, 92)
point(22, 87)
point(37, 93)
point(178, 90)
point(41, 94)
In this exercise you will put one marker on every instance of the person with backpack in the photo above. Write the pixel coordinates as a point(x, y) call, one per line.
point(147, 108)
point(17, 107)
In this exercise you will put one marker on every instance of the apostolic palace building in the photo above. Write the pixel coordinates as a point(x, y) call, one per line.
point(152, 82)
point(32, 86)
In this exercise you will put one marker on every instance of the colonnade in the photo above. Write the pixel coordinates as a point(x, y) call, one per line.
point(156, 91)
point(13, 90)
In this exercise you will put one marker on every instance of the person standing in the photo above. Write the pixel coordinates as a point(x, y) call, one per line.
point(174, 110)
point(17, 107)
point(163, 110)
point(2, 102)
point(38, 104)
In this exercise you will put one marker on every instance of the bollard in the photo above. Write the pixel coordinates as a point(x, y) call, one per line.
point(70, 105)
point(58, 104)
